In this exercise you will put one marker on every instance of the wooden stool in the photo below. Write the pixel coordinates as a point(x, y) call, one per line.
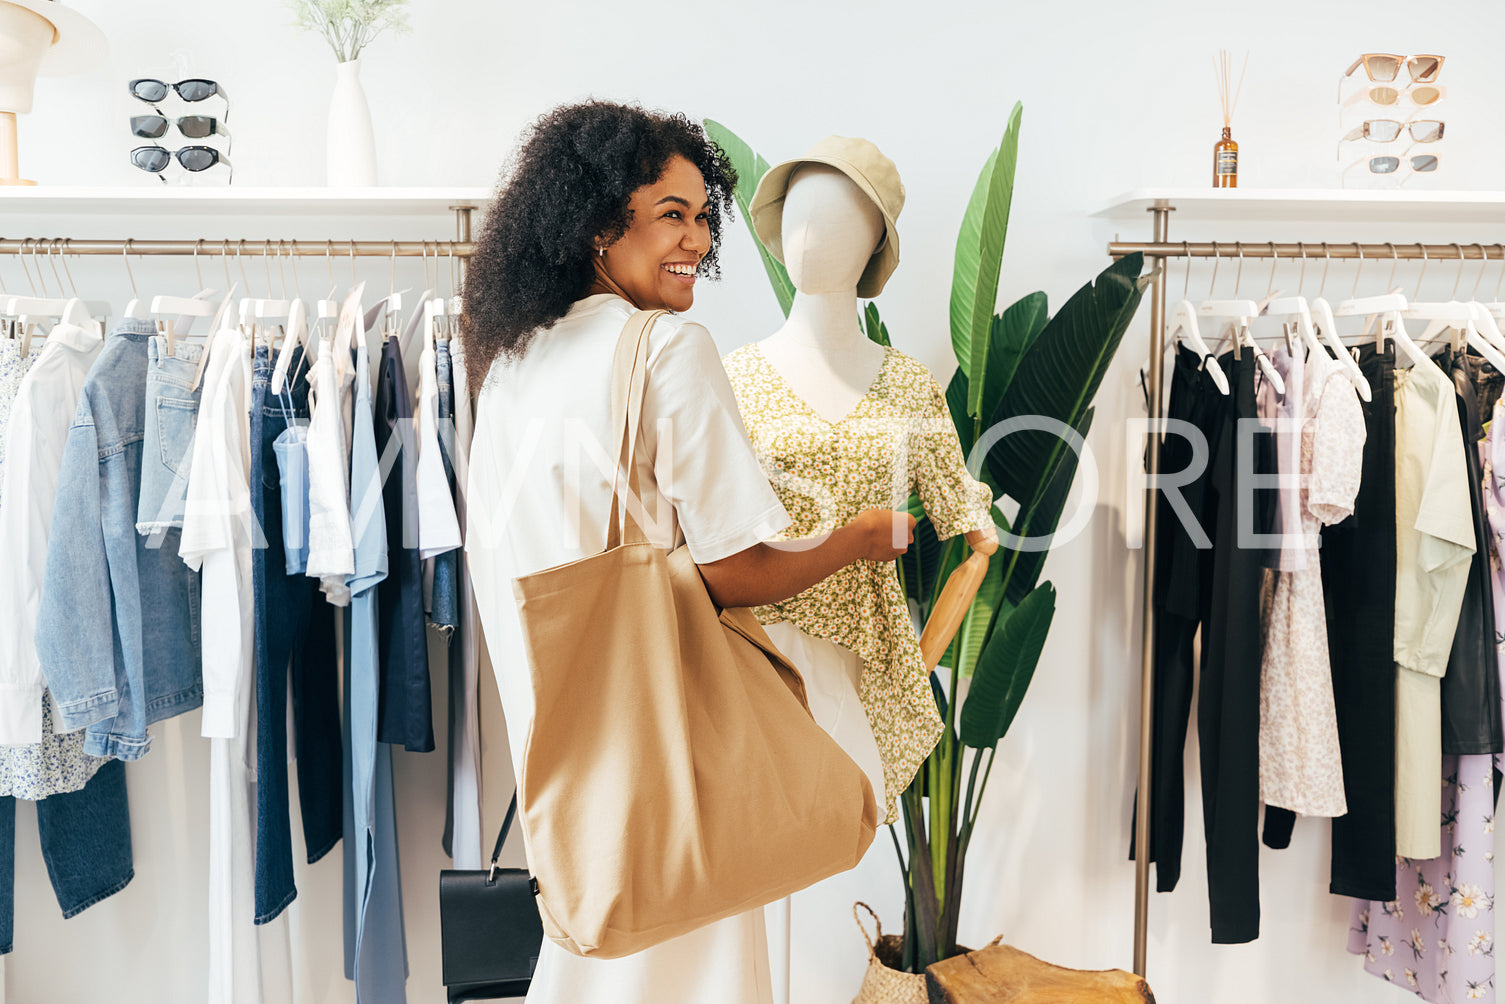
point(1002, 974)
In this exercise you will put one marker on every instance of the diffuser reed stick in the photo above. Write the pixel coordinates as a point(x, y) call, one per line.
point(1225, 151)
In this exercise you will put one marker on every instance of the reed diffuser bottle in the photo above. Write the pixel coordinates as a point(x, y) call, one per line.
point(1225, 150)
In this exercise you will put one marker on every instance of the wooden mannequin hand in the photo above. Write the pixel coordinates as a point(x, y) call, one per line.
point(956, 596)
point(984, 541)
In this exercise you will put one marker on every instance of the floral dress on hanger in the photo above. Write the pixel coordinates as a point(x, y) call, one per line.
point(899, 438)
point(1300, 767)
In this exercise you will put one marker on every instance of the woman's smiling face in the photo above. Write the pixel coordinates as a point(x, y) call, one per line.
point(655, 260)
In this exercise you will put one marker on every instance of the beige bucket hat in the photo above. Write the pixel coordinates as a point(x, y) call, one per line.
point(77, 43)
point(866, 165)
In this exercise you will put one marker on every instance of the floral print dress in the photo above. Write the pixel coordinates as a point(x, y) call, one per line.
point(1300, 767)
point(57, 764)
point(899, 438)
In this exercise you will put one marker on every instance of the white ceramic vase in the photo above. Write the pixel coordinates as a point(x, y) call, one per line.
point(350, 158)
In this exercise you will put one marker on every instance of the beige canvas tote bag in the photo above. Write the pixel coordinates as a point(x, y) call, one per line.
point(674, 775)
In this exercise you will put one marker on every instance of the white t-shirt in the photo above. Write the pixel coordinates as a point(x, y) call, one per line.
point(217, 535)
point(540, 495)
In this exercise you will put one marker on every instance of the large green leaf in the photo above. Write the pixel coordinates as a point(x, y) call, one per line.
point(1039, 517)
point(1011, 335)
point(876, 329)
point(979, 256)
point(956, 403)
point(1006, 668)
point(750, 169)
point(1060, 373)
point(975, 626)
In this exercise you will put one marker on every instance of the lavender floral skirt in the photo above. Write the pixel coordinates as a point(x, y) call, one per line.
point(1438, 939)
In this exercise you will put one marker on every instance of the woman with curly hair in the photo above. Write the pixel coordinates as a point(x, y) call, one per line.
point(608, 209)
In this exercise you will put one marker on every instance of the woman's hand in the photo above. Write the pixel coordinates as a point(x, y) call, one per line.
point(769, 573)
point(887, 533)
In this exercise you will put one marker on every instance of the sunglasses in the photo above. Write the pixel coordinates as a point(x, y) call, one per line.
point(1389, 130)
point(1420, 164)
point(192, 158)
point(1384, 68)
point(1422, 94)
point(191, 126)
point(194, 89)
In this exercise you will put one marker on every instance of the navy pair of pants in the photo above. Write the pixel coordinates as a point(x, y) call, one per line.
point(284, 607)
point(86, 844)
point(1183, 590)
point(1232, 644)
point(404, 716)
point(1360, 601)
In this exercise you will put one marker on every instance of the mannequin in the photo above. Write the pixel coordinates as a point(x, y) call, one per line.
point(832, 232)
point(38, 37)
point(826, 357)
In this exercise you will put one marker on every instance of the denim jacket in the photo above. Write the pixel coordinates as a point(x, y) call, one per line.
point(118, 627)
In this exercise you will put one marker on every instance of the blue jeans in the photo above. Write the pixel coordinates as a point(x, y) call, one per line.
point(172, 411)
point(118, 624)
point(283, 606)
point(375, 940)
point(405, 705)
point(86, 844)
point(445, 614)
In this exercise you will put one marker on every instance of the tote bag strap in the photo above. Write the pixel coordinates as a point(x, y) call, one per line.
point(629, 382)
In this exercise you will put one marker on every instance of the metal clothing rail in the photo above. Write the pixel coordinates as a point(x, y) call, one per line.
point(1160, 248)
point(460, 248)
point(41, 247)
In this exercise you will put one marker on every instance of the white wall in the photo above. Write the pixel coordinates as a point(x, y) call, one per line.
point(1116, 96)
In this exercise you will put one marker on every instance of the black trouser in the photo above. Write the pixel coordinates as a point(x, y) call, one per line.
point(1183, 572)
point(1358, 583)
point(1232, 647)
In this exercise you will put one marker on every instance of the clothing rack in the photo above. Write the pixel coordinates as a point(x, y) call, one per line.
point(42, 247)
point(1158, 247)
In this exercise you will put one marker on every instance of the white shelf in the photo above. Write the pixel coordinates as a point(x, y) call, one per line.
point(1293, 205)
point(230, 201)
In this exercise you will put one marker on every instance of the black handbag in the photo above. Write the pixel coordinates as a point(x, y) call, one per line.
point(489, 928)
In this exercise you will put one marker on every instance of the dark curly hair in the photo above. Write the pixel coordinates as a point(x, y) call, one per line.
point(568, 184)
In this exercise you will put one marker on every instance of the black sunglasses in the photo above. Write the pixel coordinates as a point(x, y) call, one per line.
point(194, 89)
point(192, 126)
point(193, 158)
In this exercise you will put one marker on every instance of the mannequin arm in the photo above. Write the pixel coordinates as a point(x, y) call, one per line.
point(956, 597)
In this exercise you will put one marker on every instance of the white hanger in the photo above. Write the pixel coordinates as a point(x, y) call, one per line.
point(214, 327)
point(135, 308)
point(1183, 323)
point(345, 330)
point(1486, 322)
point(297, 326)
point(1458, 315)
point(1496, 307)
point(29, 311)
point(174, 311)
point(1388, 308)
point(422, 316)
point(1314, 322)
point(79, 312)
point(1240, 312)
